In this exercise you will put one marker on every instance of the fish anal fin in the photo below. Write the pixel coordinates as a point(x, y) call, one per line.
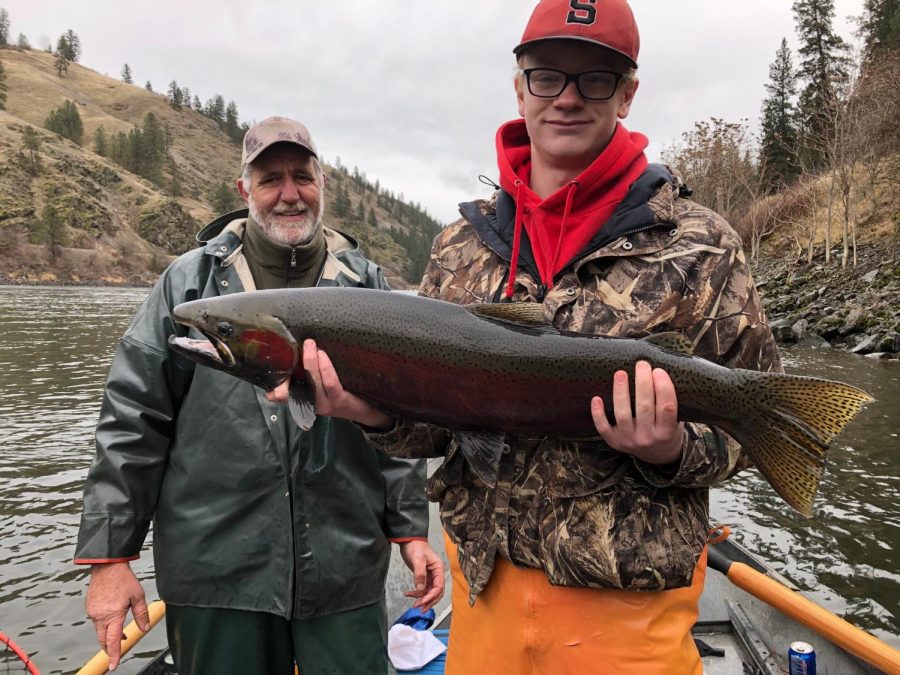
point(482, 450)
point(525, 313)
point(302, 403)
point(673, 342)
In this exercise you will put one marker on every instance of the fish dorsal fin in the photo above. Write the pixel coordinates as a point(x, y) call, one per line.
point(523, 313)
point(673, 342)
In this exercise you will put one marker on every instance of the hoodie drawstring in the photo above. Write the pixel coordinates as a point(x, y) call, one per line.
point(570, 197)
point(517, 241)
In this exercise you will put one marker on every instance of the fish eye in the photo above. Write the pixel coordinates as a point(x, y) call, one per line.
point(225, 328)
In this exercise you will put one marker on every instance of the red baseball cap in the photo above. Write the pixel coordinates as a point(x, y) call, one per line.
point(608, 23)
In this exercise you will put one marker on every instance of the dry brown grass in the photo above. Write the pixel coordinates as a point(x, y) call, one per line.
point(874, 208)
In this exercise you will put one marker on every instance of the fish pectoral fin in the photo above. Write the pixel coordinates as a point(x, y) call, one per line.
point(673, 342)
point(524, 313)
point(482, 450)
point(302, 403)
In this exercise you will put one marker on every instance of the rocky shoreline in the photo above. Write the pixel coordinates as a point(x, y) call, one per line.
point(856, 309)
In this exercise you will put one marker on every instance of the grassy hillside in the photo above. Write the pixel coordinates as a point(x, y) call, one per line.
point(120, 228)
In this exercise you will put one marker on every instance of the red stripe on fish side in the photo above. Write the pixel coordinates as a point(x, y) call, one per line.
point(464, 397)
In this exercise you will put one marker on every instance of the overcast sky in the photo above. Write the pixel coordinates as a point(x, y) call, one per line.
point(412, 92)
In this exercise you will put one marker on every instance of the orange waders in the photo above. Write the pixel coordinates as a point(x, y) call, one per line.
point(522, 625)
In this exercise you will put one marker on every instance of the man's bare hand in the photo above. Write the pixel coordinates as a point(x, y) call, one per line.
point(652, 433)
point(113, 590)
point(332, 400)
point(428, 573)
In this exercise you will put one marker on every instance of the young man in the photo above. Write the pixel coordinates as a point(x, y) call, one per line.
point(271, 545)
point(587, 557)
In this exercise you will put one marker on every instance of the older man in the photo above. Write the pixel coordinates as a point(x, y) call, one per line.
point(271, 544)
point(587, 557)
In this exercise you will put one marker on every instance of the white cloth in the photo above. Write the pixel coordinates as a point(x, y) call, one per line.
point(410, 649)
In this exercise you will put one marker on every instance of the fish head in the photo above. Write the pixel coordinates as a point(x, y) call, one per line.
point(243, 339)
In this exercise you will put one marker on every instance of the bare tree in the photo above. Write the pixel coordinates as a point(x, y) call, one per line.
point(716, 161)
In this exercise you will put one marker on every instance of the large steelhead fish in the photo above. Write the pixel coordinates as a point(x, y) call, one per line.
point(486, 370)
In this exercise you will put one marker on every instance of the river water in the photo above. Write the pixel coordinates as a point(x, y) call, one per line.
point(55, 348)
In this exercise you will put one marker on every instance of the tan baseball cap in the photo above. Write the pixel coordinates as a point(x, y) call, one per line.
point(275, 130)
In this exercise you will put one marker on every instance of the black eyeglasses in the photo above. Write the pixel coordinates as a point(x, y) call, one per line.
point(592, 85)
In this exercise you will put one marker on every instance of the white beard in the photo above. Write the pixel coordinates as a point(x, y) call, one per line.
point(296, 233)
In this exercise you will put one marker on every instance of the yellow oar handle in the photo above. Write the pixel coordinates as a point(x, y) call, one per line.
point(844, 634)
point(99, 663)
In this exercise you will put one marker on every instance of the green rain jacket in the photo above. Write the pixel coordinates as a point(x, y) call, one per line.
point(248, 511)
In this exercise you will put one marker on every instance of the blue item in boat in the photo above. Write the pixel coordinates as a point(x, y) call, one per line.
point(416, 618)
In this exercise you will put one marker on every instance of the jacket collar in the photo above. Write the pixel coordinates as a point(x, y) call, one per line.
point(223, 239)
point(494, 221)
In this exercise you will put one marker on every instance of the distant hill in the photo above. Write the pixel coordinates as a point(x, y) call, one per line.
point(120, 228)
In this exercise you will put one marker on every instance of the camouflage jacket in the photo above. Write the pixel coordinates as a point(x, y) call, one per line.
point(583, 513)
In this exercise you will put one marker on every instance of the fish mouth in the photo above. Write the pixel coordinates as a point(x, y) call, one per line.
point(212, 351)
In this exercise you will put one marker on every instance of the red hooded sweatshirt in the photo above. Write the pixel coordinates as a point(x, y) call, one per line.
point(563, 223)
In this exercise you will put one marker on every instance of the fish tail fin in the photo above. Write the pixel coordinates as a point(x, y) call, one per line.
point(800, 417)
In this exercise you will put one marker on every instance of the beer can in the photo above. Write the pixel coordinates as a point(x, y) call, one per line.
point(801, 659)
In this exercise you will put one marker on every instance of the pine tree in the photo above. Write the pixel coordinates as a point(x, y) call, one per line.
point(4, 27)
point(118, 149)
point(31, 142)
point(134, 151)
point(232, 127)
point(2, 87)
point(22, 42)
point(222, 199)
point(196, 105)
point(175, 96)
point(175, 179)
point(373, 219)
point(55, 229)
point(126, 74)
point(73, 45)
point(62, 61)
point(148, 86)
point(823, 66)
point(341, 200)
point(881, 25)
point(101, 144)
point(215, 110)
point(186, 97)
point(153, 149)
point(66, 121)
point(779, 126)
